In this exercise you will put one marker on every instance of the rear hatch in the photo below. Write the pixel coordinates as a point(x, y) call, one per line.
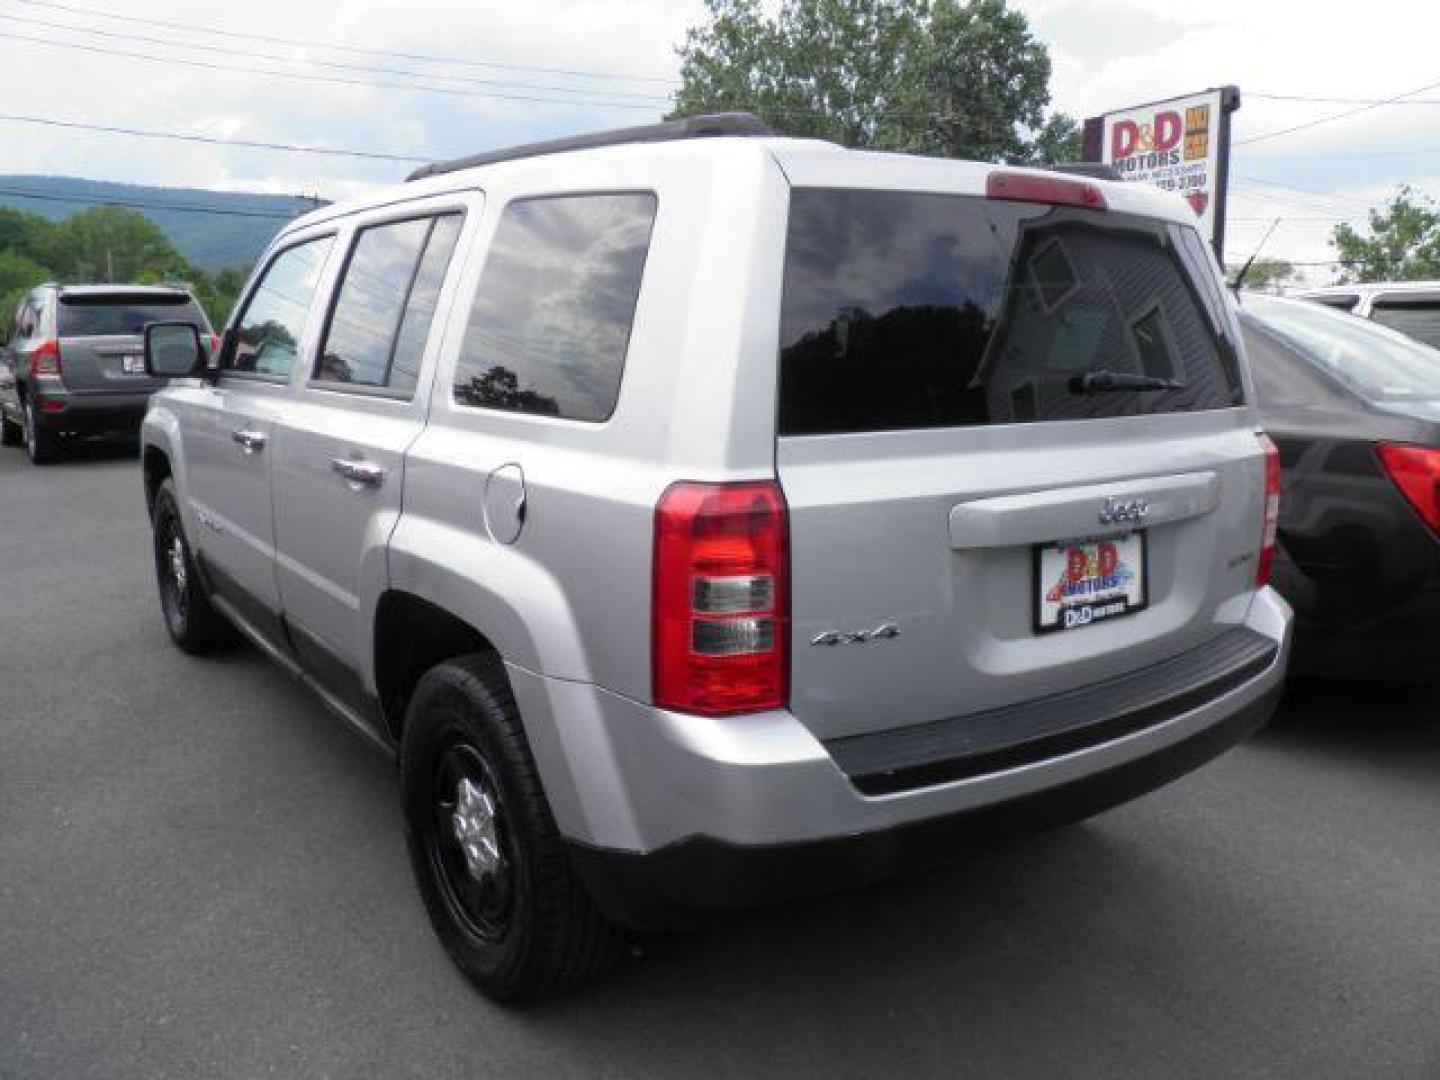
point(102, 340)
point(1015, 448)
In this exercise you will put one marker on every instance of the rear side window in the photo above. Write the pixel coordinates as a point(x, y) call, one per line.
point(905, 310)
point(110, 313)
point(1420, 319)
point(386, 302)
point(553, 311)
point(267, 334)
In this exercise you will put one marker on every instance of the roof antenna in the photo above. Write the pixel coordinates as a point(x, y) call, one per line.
point(1240, 277)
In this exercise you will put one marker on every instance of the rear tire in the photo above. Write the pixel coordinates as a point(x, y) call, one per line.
point(42, 446)
point(194, 625)
point(488, 858)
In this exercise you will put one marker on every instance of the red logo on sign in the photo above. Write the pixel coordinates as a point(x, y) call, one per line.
point(1130, 136)
point(1198, 200)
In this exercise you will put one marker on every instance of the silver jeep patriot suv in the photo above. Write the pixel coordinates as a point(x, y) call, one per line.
point(702, 517)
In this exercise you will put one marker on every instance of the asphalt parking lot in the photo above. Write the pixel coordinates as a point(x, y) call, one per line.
point(203, 874)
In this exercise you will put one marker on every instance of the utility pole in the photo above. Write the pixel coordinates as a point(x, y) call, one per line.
point(109, 267)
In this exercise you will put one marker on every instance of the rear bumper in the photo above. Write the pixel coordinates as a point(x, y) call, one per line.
point(670, 886)
point(58, 409)
point(665, 811)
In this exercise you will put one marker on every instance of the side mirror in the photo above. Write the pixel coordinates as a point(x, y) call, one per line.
point(173, 350)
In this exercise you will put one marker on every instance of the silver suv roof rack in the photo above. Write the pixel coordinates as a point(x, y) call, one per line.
point(709, 125)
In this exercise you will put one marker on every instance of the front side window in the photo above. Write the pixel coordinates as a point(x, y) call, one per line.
point(904, 310)
point(553, 310)
point(268, 333)
point(386, 302)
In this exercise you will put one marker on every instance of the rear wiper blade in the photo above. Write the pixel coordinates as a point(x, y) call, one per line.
point(1100, 381)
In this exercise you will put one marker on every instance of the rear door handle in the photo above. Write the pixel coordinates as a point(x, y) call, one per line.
point(363, 473)
point(250, 441)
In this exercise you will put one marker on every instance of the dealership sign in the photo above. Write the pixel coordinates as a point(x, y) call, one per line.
point(1181, 145)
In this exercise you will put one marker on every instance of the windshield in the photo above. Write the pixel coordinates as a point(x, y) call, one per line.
point(1376, 362)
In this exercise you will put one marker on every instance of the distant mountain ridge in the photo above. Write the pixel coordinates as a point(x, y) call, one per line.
point(211, 241)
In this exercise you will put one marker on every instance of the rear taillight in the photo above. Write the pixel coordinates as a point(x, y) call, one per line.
point(45, 360)
point(1057, 190)
point(720, 608)
point(1272, 512)
point(1416, 472)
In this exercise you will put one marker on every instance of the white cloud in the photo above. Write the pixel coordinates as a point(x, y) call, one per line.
point(1107, 54)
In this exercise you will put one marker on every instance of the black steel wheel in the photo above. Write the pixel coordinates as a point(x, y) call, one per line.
point(488, 859)
point(193, 623)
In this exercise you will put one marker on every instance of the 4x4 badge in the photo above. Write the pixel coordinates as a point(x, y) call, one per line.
point(1115, 510)
point(856, 637)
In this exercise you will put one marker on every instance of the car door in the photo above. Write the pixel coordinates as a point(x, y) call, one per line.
point(228, 429)
point(339, 452)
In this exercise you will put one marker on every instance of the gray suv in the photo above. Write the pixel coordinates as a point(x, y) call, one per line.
point(72, 362)
point(704, 518)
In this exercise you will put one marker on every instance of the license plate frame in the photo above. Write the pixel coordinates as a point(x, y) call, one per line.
point(1097, 599)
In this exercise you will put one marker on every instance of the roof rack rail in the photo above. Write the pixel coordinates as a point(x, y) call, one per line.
point(709, 125)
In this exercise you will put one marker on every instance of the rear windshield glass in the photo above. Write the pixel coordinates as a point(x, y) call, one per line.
point(1376, 363)
point(905, 310)
point(98, 316)
point(1420, 319)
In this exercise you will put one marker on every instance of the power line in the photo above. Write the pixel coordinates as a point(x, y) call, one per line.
point(1304, 190)
point(1287, 219)
point(46, 196)
point(213, 140)
point(313, 44)
point(1335, 116)
point(414, 87)
point(306, 77)
point(338, 65)
point(1336, 100)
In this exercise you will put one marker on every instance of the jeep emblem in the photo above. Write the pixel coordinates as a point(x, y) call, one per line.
point(1117, 510)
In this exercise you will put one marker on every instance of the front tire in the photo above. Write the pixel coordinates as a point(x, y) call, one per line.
point(11, 433)
point(488, 858)
point(42, 446)
point(193, 623)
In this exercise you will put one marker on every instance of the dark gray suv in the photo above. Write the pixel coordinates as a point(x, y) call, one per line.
point(73, 362)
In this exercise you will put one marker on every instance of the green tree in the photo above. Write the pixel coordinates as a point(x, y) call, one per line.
point(1403, 242)
point(24, 234)
point(945, 77)
point(1263, 272)
point(112, 244)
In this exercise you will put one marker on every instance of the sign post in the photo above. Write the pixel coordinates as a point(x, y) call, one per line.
point(1181, 144)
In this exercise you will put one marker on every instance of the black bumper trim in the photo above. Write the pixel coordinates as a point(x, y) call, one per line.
point(903, 759)
point(674, 885)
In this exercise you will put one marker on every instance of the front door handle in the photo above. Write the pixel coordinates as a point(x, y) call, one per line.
point(250, 441)
point(357, 472)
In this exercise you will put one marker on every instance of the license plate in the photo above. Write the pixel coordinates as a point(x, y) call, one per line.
point(133, 364)
point(1082, 582)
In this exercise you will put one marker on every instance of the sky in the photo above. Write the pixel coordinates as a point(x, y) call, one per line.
point(605, 63)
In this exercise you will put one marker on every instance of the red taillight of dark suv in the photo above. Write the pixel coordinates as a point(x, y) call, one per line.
point(720, 616)
point(45, 360)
